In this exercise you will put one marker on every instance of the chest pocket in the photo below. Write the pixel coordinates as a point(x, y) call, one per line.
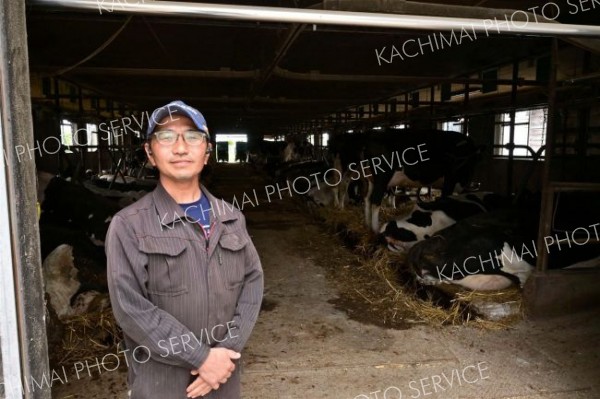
point(167, 268)
point(233, 258)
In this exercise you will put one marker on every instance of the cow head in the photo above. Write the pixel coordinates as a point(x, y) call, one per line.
point(397, 237)
point(465, 163)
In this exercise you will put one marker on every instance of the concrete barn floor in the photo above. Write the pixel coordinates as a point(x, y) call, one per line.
point(302, 347)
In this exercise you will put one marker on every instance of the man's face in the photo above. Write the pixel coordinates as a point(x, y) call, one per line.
point(180, 161)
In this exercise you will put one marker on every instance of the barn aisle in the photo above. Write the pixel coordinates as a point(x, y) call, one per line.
point(305, 347)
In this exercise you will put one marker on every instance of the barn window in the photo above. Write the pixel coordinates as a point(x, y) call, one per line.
point(92, 136)
point(325, 139)
point(530, 130)
point(67, 129)
point(115, 137)
point(454, 125)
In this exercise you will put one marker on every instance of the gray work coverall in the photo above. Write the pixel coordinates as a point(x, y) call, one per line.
point(175, 294)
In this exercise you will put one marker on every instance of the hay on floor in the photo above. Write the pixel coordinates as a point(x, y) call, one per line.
point(377, 282)
point(89, 336)
point(385, 263)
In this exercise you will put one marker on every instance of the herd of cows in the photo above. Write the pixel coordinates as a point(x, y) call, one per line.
point(479, 240)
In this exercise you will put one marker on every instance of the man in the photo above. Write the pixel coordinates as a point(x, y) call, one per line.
point(184, 277)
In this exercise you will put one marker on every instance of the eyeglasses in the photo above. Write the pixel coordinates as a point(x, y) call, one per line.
point(191, 137)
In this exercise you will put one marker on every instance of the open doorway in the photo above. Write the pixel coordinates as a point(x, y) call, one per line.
point(232, 148)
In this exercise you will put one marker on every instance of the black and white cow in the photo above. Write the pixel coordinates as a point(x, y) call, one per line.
point(72, 205)
point(293, 170)
point(322, 195)
point(266, 154)
point(63, 286)
point(428, 218)
point(346, 151)
point(297, 150)
point(416, 158)
point(290, 154)
point(89, 258)
point(491, 251)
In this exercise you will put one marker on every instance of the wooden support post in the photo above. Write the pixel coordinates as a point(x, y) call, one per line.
point(466, 111)
point(23, 314)
point(432, 105)
point(513, 102)
point(547, 191)
point(80, 95)
point(56, 94)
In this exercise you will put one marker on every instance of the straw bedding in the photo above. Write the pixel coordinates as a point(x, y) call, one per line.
point(389, 291)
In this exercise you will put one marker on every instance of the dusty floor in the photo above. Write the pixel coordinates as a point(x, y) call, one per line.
point(303, 347)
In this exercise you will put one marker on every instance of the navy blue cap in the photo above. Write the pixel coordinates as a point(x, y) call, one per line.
point(176, 107)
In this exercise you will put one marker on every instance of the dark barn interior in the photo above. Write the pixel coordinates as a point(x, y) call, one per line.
point(350, 305)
